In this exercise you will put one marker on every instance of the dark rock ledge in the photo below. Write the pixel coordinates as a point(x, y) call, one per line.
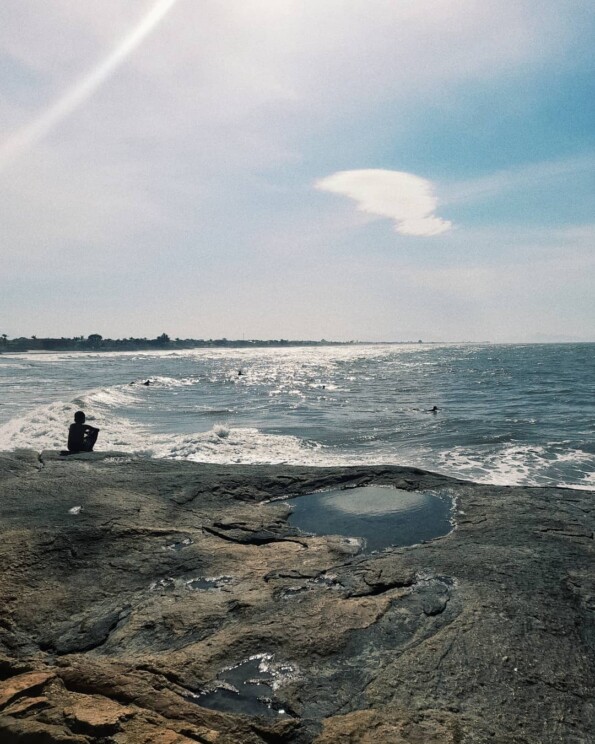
point(118, 621)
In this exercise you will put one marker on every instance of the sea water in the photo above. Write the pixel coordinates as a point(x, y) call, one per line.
point(508, 414)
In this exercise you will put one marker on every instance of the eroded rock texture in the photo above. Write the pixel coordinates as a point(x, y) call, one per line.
point(178, 605)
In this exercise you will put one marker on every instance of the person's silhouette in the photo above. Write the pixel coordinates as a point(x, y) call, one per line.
point(81, 436)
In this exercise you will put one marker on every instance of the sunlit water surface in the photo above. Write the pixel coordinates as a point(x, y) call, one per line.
point(507, 413)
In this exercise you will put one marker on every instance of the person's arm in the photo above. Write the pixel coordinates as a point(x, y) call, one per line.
point(76, 435)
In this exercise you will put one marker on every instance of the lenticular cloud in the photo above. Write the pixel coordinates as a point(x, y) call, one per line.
point(403, 197)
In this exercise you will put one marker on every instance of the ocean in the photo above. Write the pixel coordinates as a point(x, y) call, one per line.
point(508, 414)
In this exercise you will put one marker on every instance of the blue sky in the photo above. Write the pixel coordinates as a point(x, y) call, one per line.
point(343, 169)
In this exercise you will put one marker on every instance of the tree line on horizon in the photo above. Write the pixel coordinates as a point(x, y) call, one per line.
point(96, 342)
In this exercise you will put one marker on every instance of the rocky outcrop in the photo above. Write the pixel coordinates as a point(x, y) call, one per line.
point(161, 602)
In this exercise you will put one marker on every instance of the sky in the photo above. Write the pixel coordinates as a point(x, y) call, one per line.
point(300, 169)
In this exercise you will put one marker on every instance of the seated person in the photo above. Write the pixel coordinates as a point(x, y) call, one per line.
point(81, 436)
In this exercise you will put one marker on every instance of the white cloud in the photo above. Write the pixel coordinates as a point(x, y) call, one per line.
point(403, 197)
point(193, 156)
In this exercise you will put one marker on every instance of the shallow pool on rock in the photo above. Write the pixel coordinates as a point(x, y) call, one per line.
point(247, 688)
point(383, 516)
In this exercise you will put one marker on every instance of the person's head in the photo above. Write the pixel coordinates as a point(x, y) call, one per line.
point(79, 417)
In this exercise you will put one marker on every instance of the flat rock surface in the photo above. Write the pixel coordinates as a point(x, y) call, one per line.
point(148, 601)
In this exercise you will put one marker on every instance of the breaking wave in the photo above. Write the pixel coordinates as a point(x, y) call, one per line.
point(506, 415)
point(46, 428)
point(522, 464)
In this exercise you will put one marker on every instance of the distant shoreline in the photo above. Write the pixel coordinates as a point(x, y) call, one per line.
point(97, 343)
point(164, 343)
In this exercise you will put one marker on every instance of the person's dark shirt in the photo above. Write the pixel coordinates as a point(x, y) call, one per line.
point(76, 436)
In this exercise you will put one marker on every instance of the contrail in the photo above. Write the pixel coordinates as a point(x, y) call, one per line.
point(36, 130)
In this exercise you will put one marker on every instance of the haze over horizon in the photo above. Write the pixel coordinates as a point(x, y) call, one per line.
point(340, 170)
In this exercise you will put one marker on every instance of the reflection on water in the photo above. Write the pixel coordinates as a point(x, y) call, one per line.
point(382, 516)
point(248, 688)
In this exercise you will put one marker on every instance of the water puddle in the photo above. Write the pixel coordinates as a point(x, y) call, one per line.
point(199, 583)
point(289, 592)
point(202, 582)
point(325, 581)
point(163, 585)
point(382, 516)
point(247, 688)
point(177, 546)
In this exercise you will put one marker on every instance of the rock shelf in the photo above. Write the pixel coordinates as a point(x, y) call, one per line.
point(180, 588)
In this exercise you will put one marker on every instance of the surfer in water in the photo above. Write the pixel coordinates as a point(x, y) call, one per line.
point(81, 436)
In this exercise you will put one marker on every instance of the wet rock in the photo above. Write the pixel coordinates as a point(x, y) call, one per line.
point(118, 623)
point(84, 634)
point(247, 534)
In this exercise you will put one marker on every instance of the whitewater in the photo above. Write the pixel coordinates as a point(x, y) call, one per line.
point(508, 414)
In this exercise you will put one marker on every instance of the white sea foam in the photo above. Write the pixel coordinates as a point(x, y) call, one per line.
point(107, 398)
point(368, 405)
point(162, 381)
point(588, 482)
point(46, 427)
point(519, 465)
point(235, 445)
